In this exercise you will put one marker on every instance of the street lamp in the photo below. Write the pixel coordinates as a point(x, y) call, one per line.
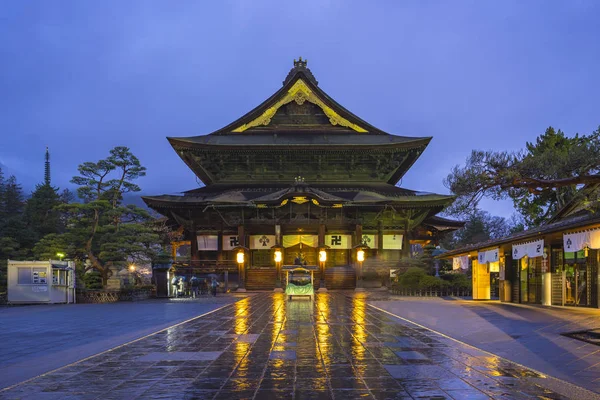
point(360, 258)
point(240, 257)
point(322, 260)
point(132, 268)
point(278, 258)
point(60, 256)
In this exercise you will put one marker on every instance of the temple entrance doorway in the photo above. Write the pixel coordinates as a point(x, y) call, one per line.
point(306, 254)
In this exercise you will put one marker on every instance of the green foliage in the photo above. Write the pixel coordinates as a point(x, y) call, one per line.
point(417, 279)
point(481, 226)
point(40, 213)
point(458, 281)
point(3, 275)
point(411, 278)
point(101, 229)
point(539, 180)
point(22, 223)
point(93, 280)
point(15, 237)
point(429, 282)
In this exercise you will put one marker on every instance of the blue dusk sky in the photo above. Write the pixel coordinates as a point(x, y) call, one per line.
point(84, 76)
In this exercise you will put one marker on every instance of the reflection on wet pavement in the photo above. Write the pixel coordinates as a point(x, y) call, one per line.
point(265, 347)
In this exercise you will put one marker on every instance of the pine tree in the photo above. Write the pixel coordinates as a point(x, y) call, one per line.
point(15, 239)
point(2, 196)
point(40, 212)
point(102, 230)
point(13, 198)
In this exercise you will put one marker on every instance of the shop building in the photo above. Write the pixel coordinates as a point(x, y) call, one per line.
point(554, 264)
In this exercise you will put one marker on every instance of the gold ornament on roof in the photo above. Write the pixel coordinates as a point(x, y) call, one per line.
point(299, 199)
point(300, 92)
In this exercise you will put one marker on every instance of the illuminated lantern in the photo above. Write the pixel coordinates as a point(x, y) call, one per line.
point(240, 257)
point(278, 256)
point(322, 256)
point(360, 255)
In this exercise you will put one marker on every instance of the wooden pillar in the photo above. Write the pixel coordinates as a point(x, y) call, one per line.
point(358, 234)
point(194, 245)
point(321, 235)
point(379, 238)
point(220, 246)
point(406, 241)
point(278, 235)
point(241, 235)
point(242, 267)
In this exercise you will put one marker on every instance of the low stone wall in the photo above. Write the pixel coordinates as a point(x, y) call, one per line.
point(112, 296)
point(432, 292)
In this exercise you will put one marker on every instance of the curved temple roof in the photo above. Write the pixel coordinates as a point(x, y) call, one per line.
point(299, 116)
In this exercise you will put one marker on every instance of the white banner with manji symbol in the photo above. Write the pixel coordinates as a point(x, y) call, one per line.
point(488, 256)
point(262, 242)
point(208, 242)
point(392, 242)
point(370, 240)
point(230, 242)
point(339, 241)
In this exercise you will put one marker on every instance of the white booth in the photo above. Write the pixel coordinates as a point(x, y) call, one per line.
point(41, 282)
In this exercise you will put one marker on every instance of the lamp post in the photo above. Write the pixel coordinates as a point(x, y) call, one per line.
point(278, 258)
point(322, 260)
point(60, 256)
point(360, 258)
point(240, 257)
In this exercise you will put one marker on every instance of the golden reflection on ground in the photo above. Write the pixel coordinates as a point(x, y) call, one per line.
point(358, 327)
point(242, 312)
point(279, 314)
point(324, 337)
point(240, 349)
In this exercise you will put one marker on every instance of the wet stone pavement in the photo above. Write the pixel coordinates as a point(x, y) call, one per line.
point(265, 347)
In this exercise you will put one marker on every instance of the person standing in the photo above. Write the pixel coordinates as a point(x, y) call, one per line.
point(213, 286)
point(195, 282)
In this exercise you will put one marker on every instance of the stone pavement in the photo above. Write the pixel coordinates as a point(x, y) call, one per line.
point(38, 339)
point(529, 335)
point(265, 347)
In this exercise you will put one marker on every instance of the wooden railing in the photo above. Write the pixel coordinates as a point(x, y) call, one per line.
point(206, 266)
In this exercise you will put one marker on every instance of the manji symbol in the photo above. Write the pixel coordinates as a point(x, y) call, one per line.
point(264, 241)
point(234, 241)
point(336, 240)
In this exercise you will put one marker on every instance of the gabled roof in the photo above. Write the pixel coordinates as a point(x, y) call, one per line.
point(300, 86)
point(300, 115)
point(585, 196)
point(443, 224)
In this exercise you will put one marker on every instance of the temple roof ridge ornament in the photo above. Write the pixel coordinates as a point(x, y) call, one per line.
point(300, 92)
point(300, 66)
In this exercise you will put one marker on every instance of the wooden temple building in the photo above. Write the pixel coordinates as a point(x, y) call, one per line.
point(300, 179)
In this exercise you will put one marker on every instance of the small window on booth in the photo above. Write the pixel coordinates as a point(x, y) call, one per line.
point(24, 276)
